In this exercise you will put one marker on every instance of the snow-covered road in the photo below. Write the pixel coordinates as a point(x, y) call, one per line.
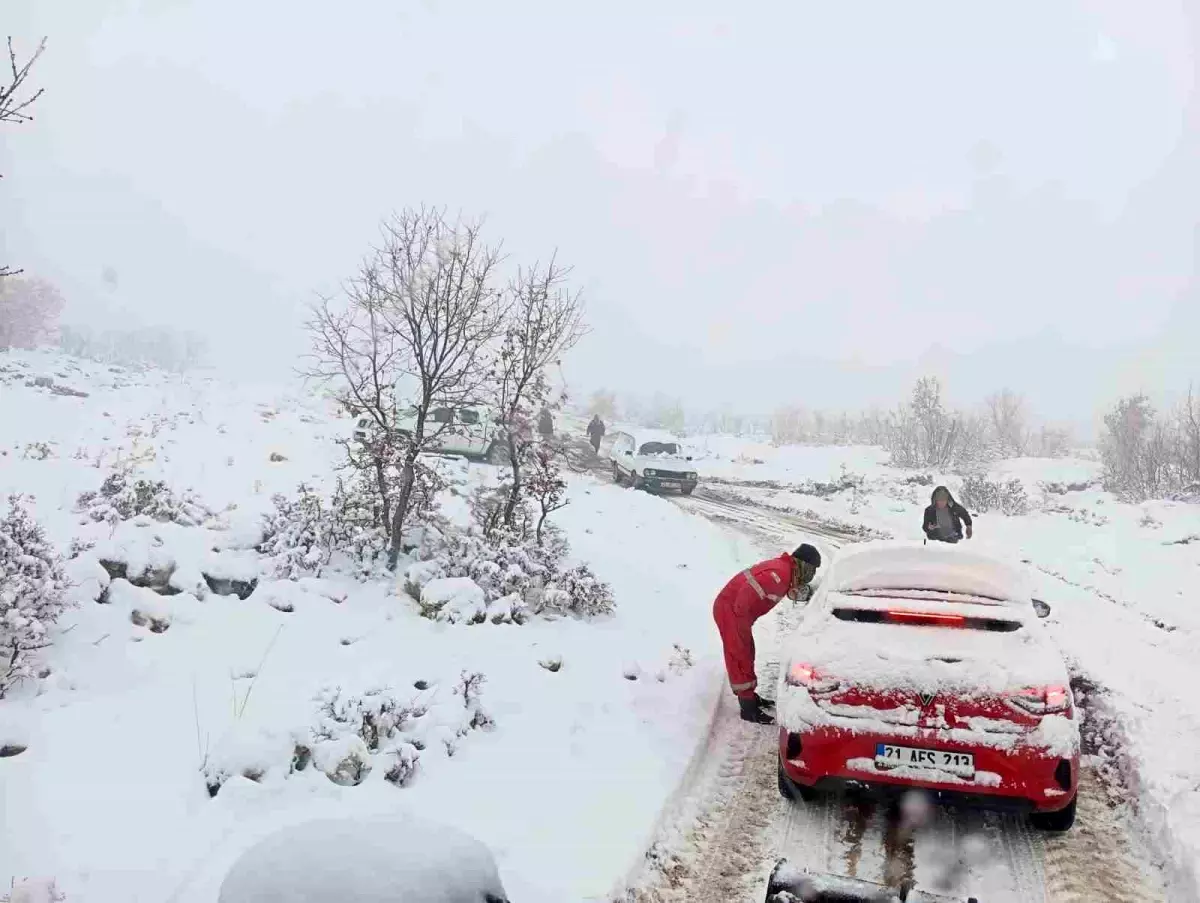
point(728, 823)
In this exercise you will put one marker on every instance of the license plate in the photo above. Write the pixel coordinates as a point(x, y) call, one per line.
point(957, 763)
point(669, 484)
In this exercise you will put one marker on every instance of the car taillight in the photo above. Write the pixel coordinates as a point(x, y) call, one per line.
point(926, 617)
point(1042, 700)
point(803, 675)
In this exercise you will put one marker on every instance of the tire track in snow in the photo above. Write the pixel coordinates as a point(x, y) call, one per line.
point(1097, 859)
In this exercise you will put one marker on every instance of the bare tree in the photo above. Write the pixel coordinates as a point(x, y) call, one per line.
point(1009, 422)
point(1189, 438)
point(29, 311)
point(411, 331)
point(544, 320)
point(546, 487)
point(13, 106)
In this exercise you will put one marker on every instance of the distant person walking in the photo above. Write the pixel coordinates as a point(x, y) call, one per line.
point(546, 425)
point(944, 518)
point(595, 432)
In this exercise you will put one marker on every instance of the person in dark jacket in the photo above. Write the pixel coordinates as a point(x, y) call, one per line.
point(945, 518)
point(546, 424)
point(595, 432)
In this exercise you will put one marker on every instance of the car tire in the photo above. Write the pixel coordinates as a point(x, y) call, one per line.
point(791, 791)
point(687, 490)
point(616, 475)
point(1056, 822)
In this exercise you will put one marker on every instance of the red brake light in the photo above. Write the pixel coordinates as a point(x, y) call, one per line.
point(804, 675)
point(926, 617)
point(801, 675)
point(1042, 700)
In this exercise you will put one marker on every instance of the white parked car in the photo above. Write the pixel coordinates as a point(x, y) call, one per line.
point(467, 431)
point(652, 460)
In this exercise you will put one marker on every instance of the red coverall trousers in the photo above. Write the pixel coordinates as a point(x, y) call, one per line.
point(745, 599)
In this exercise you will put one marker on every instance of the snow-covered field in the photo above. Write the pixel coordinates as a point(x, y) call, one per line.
point(110, 796)
point(152, 701)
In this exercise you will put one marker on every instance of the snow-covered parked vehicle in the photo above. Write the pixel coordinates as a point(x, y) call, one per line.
point(467, 431)
point(366, 860)
point(927, 667)
point(653, 460)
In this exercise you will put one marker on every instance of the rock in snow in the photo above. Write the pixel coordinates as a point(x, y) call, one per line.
point(372, 860)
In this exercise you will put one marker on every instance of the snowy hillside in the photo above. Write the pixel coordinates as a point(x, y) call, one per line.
point(558, 758)
point(195, 699)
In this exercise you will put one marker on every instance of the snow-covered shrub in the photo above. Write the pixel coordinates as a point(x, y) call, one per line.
point(351, 730)
point(469, 690)
point(307, 533)
point(1151, 455)
point(513, 572)
point(122, 497)
point(32, 594)
point(38, 451)
point(981, 494)
point(576, 592)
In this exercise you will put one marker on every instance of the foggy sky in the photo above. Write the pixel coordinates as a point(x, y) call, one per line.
point(784, 202)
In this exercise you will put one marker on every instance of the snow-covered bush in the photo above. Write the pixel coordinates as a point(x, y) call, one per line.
point(306, 534)
point(981, 494)
point(32, 594)
point(352, 730)
point(122, 496)
point(1149, 455)
point(38, 451)
point(576, 592)
point(513, 573)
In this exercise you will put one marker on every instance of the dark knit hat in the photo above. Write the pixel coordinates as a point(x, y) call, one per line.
point(808, 554)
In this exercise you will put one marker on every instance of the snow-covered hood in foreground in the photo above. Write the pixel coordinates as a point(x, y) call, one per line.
point(369, 860)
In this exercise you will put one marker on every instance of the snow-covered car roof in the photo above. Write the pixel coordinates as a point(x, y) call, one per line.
point(642, 436)
point(884, 565)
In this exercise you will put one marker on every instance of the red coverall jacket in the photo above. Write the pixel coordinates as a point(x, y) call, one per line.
point(745, 599)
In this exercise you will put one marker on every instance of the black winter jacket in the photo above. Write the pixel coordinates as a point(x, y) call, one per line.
point(958, 517)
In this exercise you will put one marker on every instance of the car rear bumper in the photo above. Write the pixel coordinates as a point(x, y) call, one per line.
point(1016, 780)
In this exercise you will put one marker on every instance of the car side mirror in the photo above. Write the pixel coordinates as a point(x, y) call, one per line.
point(689, 457)
point(628, 453)
point(1042, 609)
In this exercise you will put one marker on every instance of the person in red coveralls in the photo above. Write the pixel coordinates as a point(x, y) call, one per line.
point(745, 599)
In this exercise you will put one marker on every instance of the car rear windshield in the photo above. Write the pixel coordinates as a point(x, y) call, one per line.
point(468, 416)
point(659, 448)
point(913, 618)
